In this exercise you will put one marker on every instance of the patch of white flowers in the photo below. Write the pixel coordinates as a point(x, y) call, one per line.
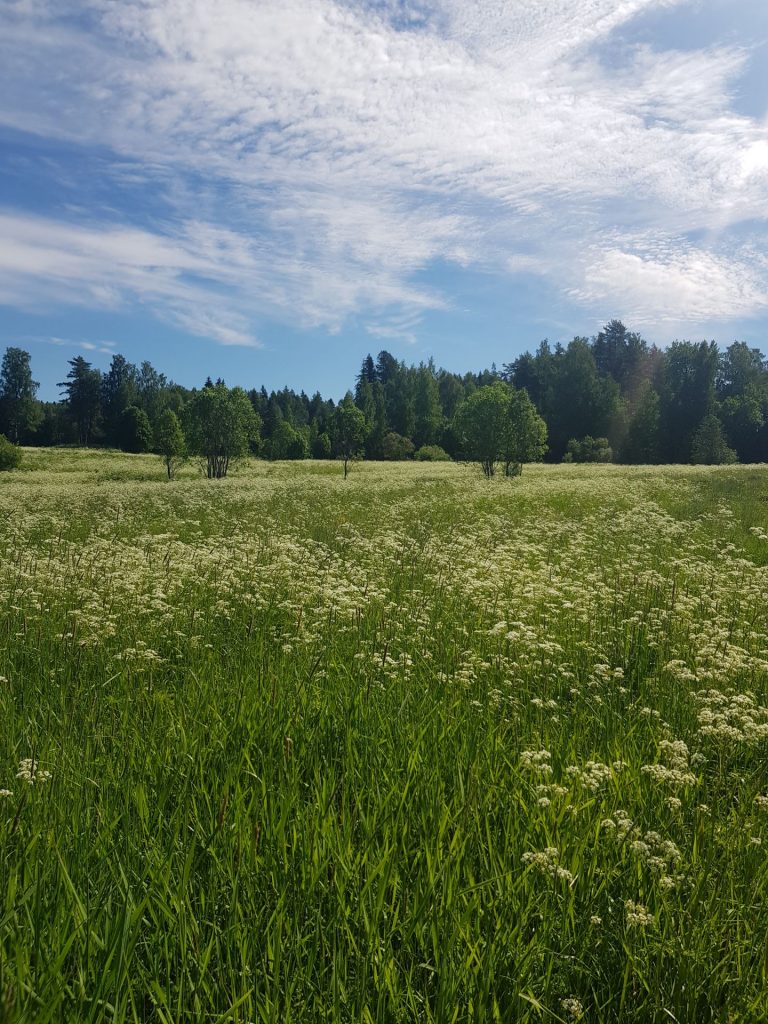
point(572, 1008)
point(637, 915)
point(734, 718)
point(592, 776)
point(537, 761)
point(674, 768)
point(31, 772)
point(547, 862)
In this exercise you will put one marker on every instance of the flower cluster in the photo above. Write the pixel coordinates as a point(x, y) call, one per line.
point(547, 863)
point(31, 772)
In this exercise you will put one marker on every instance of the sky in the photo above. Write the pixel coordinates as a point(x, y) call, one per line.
point(267, 190)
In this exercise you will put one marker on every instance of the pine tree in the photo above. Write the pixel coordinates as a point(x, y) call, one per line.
point(83, 397)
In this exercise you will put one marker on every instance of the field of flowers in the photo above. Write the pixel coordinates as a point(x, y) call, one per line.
point(411, 747)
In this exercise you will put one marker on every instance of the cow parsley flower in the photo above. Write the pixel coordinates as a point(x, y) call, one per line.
point(31, 772)
point(637, 916)
point(546, 862)
point(572, 1007)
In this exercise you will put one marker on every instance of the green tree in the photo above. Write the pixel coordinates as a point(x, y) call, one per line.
point(526, 437)
point(222, 426)
point(745, 421)
point(288, 443)
point(709, 447)
point(349, 430)
point(170, 441)
point(151, 388)
point(641, 443)
point(582, 401)
point(687, 395)
point(135, 433)
point(395, 447)
point(537, 374)
point(619, 354)
point(118, 391)
point(589, 449)
point(451, 392)
point(482, 425)
point(426, 404)
point(376, 420)
point(742, 389)
point(321, 446)
point(20, 412)
point(83, 397)
point(55, 427)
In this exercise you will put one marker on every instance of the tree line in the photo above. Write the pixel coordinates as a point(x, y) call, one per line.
point(613, 397)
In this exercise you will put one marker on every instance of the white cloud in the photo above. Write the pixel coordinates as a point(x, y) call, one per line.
point(104, 347)
point(183, 279)
point(344, 147)
point(401, 328)
point(677, 283)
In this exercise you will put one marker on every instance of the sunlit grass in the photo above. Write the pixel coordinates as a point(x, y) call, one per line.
point(409, 747)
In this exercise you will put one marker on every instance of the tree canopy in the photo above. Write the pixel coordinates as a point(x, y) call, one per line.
point(348, 430)
point(221, 426)
point(19, 412)
point(647, 404)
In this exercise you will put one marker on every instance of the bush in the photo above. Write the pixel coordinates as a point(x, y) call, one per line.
point(432, 453)
point(395, 447)
point(10, 455)
point(589, 449)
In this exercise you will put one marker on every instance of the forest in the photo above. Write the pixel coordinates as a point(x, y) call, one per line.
point(610, 398)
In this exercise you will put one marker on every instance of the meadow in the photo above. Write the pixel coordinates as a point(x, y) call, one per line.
point(410, 747)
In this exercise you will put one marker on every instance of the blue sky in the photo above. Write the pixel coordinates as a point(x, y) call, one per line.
point(268, 189)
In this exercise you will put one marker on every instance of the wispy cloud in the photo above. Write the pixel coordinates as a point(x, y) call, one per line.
point(316, 155)
point(183, 279)
point(103, 347)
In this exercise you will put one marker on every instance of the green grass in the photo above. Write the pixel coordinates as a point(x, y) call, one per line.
point(302, 734)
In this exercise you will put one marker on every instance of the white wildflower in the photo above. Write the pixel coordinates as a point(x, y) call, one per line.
point(547, 863)
point(30, 771)
point(637, 916)
point(572, 1007)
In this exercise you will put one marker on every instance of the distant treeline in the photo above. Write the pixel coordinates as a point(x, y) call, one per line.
point(611, 397)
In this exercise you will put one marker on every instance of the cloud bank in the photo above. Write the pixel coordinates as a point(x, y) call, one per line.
point(314, 158)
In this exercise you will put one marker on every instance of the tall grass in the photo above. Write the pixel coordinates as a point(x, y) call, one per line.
point(409, 747)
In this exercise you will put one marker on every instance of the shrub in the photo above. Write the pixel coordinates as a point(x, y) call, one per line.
point(432, 453)
point(395, 447)
point(589, 449)
point(10, 455)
